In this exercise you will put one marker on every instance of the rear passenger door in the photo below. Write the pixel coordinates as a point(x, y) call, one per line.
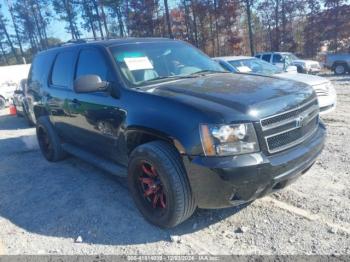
point(266, 57)
point(60, 82)
point(97, 118)
point(277, 60)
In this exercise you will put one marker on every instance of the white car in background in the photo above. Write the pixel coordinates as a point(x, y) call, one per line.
point(280, 58)
point(7, 90)
point(327, 97)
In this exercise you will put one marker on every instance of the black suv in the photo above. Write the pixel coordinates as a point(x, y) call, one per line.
point(184, 132)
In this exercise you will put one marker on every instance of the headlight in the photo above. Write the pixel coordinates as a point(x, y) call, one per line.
point(224, 140)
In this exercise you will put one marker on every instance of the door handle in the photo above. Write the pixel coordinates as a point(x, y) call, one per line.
point(74, 103)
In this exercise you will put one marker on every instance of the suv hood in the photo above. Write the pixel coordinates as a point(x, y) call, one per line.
point(306, 62)
point(304, 78)
point(252, 95)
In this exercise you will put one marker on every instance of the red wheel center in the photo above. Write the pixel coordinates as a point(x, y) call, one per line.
point(151, 186)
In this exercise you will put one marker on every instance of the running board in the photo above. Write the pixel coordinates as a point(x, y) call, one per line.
point(96, 160)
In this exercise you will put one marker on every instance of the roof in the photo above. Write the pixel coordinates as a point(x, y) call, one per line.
point(232, 58)
point(108, 42)
point(272, 52)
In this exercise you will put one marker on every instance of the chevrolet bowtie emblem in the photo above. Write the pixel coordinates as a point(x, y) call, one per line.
point(301, 120)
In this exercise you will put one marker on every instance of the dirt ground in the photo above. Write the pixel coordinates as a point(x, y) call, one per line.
point(45, 207)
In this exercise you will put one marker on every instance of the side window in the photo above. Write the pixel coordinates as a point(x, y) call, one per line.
point(92, 62)
point(39, 71)
point(277, 58)
point(266, 57)
point(258, 56)
point(62, 71)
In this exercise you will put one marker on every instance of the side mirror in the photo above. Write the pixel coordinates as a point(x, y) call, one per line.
point(89, 84)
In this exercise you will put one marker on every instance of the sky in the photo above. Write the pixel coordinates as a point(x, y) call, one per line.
point(56, 27)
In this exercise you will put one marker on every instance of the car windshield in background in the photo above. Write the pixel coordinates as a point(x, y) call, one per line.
point(255, 66)
point(147, 63)
point(291, 57)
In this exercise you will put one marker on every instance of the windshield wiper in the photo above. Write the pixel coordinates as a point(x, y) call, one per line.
point(205, 71)
point(168, 77)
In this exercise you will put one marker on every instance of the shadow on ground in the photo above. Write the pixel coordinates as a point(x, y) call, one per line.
point(71, 198)
point(9, 122)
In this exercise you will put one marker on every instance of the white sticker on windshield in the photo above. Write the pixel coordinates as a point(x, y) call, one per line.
point(138, 63)
point(244, 69)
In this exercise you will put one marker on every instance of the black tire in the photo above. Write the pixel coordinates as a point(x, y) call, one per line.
point(2, 102)
point(173, 182)
point(340, 69)
point(300, 70)
point(49, 142)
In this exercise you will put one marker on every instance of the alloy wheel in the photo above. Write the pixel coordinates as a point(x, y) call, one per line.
point(151, 187)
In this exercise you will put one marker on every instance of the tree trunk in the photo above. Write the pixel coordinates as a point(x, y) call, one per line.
point(98, 17)
point(104, 19)
point(277, 40)
point(42, 44)
point(120, 22)
point(217, 28)
point(88, 12)
point(194, 13)
point(43, 24)
point(16, 28)
point(211, 28)
point(249, 18)
point(2, 25)
point(70, 19)
point(4, 54)
point(168, 18)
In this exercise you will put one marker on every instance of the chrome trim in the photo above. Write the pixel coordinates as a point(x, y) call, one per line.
point(296, 142)
point(285, 112)
point(289, 120)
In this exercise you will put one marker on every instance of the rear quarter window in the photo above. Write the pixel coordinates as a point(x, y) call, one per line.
point(62, 70)
point(266, 57)
point(39, 71)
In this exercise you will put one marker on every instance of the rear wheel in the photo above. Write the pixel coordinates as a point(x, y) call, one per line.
point(2, 102)
point(159, 185)
point(49, 142)
point(340, 69)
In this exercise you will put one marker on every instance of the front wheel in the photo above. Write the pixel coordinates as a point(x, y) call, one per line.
point(159, 185)
point(340, 69)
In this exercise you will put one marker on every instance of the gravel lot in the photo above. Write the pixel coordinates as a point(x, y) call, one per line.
point(45, 207)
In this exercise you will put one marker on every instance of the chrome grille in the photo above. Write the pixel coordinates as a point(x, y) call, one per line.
point(290, 128)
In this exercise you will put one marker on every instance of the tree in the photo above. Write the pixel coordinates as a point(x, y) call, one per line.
point(166, 6)
point(4, 31)
point(15, 26)
point(68, 12)
point(248, 7)
point(88, 17)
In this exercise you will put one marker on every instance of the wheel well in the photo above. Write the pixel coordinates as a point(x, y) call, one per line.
point(340, 63)
point(136, 138)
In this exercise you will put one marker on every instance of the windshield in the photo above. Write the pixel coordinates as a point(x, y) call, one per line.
point(146, 63)
point(291, 57)
point(255, 66)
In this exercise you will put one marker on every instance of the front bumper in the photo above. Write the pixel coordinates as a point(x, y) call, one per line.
point(218, 182)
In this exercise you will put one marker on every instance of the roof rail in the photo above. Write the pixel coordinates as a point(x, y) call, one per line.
point(84, 40)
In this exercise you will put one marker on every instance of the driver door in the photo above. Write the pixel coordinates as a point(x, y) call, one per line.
point(96, 119)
